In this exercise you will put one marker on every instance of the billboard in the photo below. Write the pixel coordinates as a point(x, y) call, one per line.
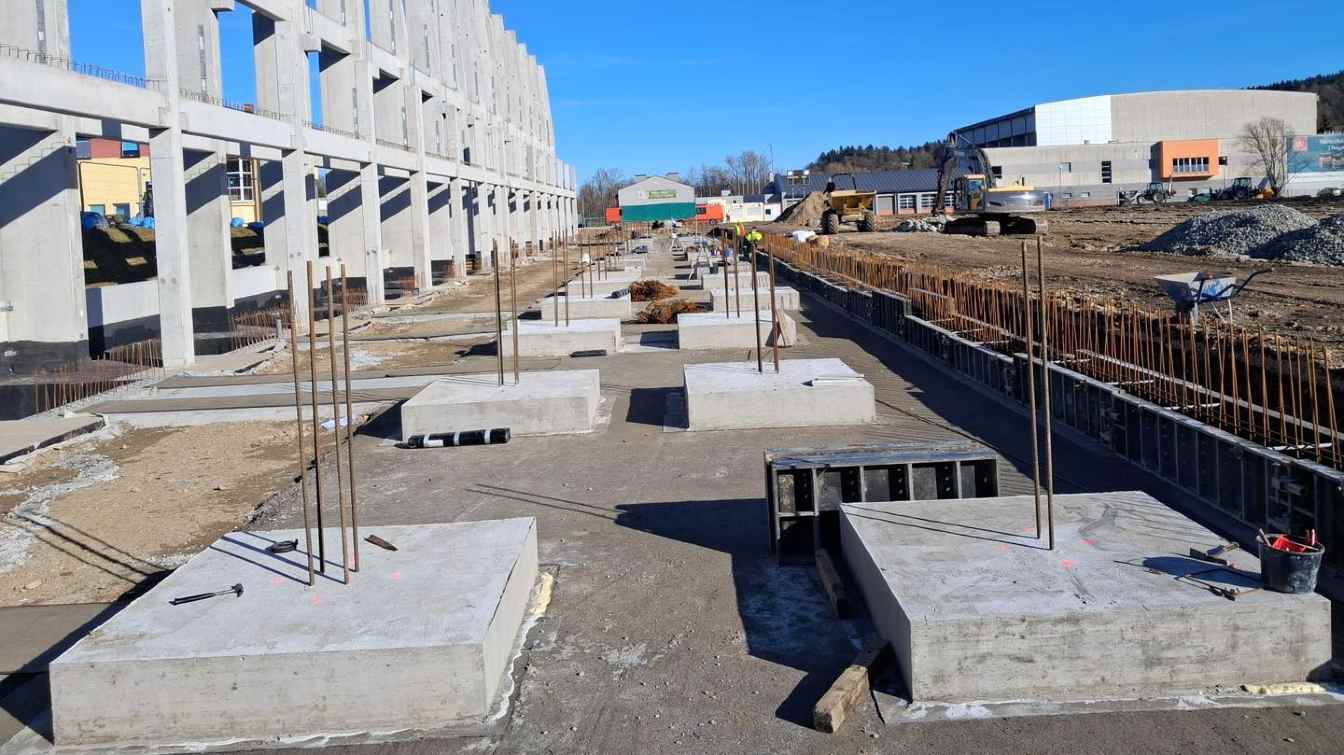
point(1316, 154)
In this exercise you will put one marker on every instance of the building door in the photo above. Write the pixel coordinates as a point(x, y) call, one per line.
point(886, 204)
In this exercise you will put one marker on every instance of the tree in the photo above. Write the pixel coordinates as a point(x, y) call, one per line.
point(748, 171)
point(600, 191)
point(1267, 140)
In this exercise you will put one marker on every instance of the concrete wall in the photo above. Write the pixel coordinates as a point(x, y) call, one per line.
point(441, 91)
point(648, 192)
point(1154, 116)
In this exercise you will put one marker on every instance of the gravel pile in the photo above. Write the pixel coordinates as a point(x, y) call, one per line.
point(931, 225)
point(806, 213)
point(1231, 232)
point(1321, 244)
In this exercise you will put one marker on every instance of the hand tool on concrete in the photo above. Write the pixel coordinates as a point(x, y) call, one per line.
point(1215, 555)
point(381, 543)
point(284, 546)
point(236, 590)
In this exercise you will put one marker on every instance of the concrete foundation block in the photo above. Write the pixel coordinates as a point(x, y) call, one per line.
point(543, 338)
point(978, 609)
point(805, 393)
point(710, 280)
point(785, 298)
point(422, 638)
point(587, 307)
point(719, 330)
point(544, 403)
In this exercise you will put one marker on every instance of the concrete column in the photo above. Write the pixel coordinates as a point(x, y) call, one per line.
point(300, 224)
point(488, 213)
point(208, 214)
point(440, 223)
point(171, 232)
point(421, 257)
point(43, 320)
point(460, 232)
point(345, 223)
point(289, 193)
point(375, 254)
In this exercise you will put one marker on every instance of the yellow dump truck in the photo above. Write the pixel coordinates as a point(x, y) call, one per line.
point(848, 206)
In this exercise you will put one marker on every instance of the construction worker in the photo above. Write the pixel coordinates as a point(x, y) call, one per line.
point(753, 238)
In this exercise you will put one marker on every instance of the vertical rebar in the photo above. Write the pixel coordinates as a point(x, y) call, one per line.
point(298, 422)
point(1049, 422)
point(1031, 393)
point(756, 305)
point(317, 435)
point(336, 426)
point(1315, 413)
point(1283, 409)
point(499, 313)
point(565, 272)
point(1330, 407)
point(1264, 390)
point(350, 418)
point(513, 304)
point(555, 278)
point(775, 330)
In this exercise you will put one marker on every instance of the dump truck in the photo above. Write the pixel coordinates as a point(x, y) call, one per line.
point(980, 206)
point(848, 206)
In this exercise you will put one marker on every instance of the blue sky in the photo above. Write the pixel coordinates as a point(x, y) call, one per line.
point(649, 87)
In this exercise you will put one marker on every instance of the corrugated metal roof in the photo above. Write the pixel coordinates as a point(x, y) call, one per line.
point(882, 182)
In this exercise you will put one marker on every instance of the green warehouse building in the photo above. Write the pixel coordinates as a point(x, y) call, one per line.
point(657, 198)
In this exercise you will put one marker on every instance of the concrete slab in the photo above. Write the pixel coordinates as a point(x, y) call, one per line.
point(709, 280)
point(23, 436)
point(543, 338)
point(587, 308)
point(805, 393)
point(544, 403)
point(726, 330)
point(979, 610)
point(422, 638)
point(785, 298)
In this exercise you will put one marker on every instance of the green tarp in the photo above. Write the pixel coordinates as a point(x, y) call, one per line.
point(648, 213)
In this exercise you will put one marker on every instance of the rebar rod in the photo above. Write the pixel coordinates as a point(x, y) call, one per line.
point(513, 304)
point(756, 305)
point(1031, 394)
point(317, 436)
point(499, 313)
point(1049, 420)
point(336, 426)
point(1283, 409)
point(350, 419)
point(298, 426)
point(1330, 407)
point(1315, 414)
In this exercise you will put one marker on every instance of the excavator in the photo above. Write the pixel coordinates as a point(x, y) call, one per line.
point(980, 206)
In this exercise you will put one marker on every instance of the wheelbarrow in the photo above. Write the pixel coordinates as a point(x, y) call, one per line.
point(1189, 290)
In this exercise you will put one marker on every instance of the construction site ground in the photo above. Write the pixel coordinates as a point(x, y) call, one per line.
point(671, 627)
point(1096, 250)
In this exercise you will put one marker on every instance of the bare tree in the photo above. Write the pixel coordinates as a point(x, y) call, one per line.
point(600, 192)
point(749, 171)
point(1267, 140)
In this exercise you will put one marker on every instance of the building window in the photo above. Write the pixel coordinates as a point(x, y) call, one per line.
point(997, 171)
point(1066, 167)
point(1189, 165)
point(926, 200)
point(1084, 194)
point(130, 149)
point(101, 209)
point(83, 150)
point(1105, 171)
point(241, 186)
point(906, 201)
point(122, 209)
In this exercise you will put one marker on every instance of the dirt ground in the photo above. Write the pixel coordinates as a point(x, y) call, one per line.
point(1095, 250)
point(91, 520)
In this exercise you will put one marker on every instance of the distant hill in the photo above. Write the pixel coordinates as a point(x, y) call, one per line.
point(860, 159)
point(1329, 87)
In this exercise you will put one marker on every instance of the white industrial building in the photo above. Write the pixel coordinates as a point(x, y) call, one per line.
point(434, 136)
point(1086, 150)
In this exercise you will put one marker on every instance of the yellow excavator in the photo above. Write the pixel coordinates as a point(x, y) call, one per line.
point(980, 206)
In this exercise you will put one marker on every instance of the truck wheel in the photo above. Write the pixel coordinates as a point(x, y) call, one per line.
point(868, 223)
point(830, 223)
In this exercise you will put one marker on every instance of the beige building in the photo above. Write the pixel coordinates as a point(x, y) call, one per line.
point(1086, 150)
point(113, 177)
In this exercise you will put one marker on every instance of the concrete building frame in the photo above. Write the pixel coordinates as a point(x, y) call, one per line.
point(423, 105)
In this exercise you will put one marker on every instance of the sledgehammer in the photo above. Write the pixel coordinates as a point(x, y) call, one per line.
point(236, 590)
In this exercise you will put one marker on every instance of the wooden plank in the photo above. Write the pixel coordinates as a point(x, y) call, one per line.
point(840, 701)
point(833, 585)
